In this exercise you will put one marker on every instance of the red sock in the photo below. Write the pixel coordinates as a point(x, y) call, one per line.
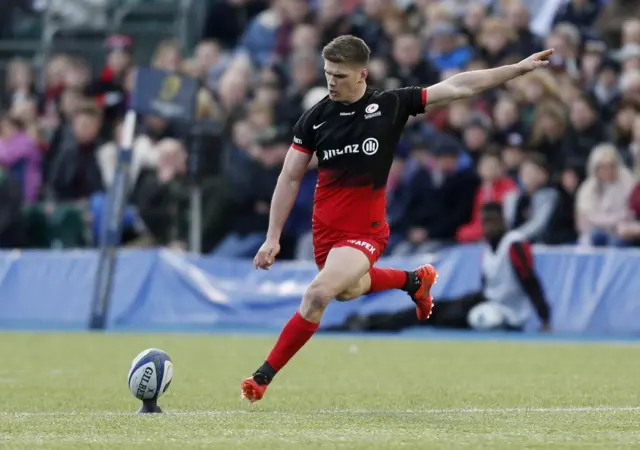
point(292, 338)
point(386, 279)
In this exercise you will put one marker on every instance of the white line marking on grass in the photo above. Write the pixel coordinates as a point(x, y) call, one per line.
point(556, 409)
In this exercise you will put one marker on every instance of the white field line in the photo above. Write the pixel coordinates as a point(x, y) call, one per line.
point(523, 410)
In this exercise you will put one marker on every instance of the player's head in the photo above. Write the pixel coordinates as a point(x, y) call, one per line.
point(493, 223)
point(345, 67)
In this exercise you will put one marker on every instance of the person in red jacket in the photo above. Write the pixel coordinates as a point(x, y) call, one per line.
point(495, 185)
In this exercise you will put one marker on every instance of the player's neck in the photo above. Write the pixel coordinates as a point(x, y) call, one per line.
point(357, 96)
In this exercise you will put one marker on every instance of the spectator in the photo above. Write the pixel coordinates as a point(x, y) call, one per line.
point(168, 56)
point(629, 230)
point(477, 136)
point(20, 82)
point(446, 50)
point(332, 20)
point(584, 132)
point(562, 225)
point(251, 222)
point(581, 13)
point(408, 67)
point(441, 199)
point(548, 134)
point(474, 17)
point(11, 226)
point(161, 197)
point(494, 186)
point(19, 154)
point(529, 209)
point(75, 173)
point(603, 198)
point(496, 40)
point(226, 19)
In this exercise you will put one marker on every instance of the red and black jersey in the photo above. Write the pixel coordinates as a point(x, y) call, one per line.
point(355, 145)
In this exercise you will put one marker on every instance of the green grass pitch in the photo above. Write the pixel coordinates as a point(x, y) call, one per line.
point(69, 391)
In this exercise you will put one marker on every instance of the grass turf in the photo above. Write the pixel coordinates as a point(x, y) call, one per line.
point(69, 391)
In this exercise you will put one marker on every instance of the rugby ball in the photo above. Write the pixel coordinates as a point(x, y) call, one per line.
point(486, 316)
point(150, 374)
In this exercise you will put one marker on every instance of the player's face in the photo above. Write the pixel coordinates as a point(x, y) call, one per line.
point(343, 81)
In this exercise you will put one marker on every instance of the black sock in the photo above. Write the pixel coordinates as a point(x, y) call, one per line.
point(413, 283)
point(264, 374)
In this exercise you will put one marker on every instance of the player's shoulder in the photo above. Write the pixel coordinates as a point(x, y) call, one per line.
point(395, 92)
point(313, 113)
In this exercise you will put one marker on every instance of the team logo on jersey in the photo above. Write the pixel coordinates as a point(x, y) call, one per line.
point(372, 111)
point(370, 146)
point(371, 108)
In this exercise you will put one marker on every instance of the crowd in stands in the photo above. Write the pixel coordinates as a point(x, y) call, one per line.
point(559, 147)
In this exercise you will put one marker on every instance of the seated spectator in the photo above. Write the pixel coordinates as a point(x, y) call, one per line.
point(445, 49)
point(562, 226)
point(168, 56)
point(251, 218)
point(629, 230)
point(603, 198)
point(144, 157)
point(529, 209)
point(20, 82)
point(441, 195)
point(20, 155)
point(513, 155)
point(11, 226)
point(408, 67)
point(75, 173)
point(584, 133)
point(510, 293)
point(548, 134)
point(582, 13)
point(622, 132)
point(476, 136)
point(495, 184)
point(497, 39)
point(161, 197)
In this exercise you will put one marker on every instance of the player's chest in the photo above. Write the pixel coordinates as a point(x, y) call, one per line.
point(353, 135)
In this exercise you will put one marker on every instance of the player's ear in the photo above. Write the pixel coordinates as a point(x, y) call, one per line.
point(363, 75)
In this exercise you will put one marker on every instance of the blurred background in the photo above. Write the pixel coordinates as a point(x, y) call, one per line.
point(562, 144)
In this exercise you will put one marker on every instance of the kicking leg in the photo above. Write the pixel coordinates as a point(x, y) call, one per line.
point(343, 268)
point(417, 283)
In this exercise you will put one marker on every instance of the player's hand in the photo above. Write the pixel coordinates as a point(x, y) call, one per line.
point(545, 327)
point(540, 59)
point(266, 256)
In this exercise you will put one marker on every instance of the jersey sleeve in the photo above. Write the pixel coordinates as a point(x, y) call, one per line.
point(303, 139)
point(412, 100)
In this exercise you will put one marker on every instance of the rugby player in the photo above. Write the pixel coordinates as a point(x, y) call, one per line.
point(354, 132)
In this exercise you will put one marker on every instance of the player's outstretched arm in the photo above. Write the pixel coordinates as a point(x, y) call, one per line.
point(467, 84)
point(284, 196)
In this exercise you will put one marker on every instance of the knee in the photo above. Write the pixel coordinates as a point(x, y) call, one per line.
point(315, 300)
point(347, 295)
